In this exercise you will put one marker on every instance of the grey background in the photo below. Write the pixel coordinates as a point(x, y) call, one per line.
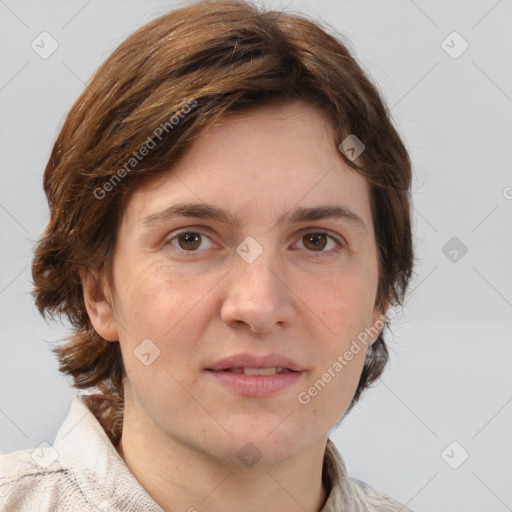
point(449, 378)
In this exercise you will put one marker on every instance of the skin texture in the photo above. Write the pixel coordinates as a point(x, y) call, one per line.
point(183, 429)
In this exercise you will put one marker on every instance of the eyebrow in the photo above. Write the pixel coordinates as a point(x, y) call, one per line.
point(208, 211)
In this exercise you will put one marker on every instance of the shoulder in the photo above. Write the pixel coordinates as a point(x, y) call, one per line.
point(372, 500)
point(350, 494)
point(33, 480)
point(81, 472)
point(21, 467)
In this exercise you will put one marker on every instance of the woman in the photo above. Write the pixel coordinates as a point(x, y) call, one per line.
point(230, 224)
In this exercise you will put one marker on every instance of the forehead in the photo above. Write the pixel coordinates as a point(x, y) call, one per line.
point(259, 164)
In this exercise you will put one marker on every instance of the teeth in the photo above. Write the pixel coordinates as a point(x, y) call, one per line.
point(263, 371)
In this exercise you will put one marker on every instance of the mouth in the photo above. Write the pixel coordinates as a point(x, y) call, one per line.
point(254, 376)
point(273, 370)
point(252, 364)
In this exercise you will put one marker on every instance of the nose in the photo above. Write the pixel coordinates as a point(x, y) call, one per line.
point(258, 295)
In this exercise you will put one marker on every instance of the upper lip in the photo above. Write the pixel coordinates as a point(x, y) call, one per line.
point(254, 361)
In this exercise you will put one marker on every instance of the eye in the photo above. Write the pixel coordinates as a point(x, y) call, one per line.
point(317, 241)
point(189, 240)
point(312, 241)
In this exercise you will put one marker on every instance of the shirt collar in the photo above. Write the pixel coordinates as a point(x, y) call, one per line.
point(85, 449)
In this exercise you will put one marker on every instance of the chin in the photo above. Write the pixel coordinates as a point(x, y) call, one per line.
point(263, 442)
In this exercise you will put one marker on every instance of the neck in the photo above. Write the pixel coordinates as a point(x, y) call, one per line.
point(182, 478)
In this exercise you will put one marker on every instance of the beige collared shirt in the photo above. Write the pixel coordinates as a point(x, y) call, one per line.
point(82, 472)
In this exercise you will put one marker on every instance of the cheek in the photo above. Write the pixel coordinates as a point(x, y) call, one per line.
point(158, 308)
point(163, 306)
point(331, 390)
point(343, 303)
point(145, 291)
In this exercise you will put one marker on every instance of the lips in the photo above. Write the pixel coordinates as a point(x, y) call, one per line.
point(256, 376)
point(241, 363)
point(257, 371)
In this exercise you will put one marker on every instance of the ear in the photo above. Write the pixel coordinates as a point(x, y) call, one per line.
point(99, 306)
point(378, 321)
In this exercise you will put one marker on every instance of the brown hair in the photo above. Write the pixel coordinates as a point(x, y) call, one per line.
point(183, 71)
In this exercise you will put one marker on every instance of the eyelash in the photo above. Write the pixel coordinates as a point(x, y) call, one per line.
point(340, 243)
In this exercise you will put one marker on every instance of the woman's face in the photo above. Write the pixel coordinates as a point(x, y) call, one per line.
point(249, 278)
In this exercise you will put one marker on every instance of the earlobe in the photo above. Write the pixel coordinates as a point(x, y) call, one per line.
point(99, 306)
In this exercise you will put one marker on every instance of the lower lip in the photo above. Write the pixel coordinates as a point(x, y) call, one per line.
point(257, 385)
